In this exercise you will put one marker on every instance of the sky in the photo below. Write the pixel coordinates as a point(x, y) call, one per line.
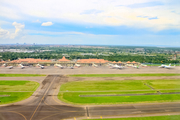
point(91, 22)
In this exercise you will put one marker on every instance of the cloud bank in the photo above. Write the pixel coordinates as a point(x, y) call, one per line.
point(99, 12)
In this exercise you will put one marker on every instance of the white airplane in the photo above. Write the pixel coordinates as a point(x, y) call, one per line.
point(9, 67)
point(116, 66)
point(22, 67)
point(94, 65)
point(42, 67)
point(162, 66)
point(110, 65)
point(77, 65)
point(58, 65)
point(170, 67)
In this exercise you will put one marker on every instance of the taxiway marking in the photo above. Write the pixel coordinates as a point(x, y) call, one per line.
point(42, 99)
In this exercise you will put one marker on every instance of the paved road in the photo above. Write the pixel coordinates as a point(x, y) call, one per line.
point(44, 105)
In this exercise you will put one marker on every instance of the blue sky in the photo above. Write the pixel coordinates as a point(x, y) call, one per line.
point(102, 22)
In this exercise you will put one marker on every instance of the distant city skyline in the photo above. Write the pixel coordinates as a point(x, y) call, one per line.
point(95, 22)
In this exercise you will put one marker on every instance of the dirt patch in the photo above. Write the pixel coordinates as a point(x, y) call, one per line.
point(4, 95)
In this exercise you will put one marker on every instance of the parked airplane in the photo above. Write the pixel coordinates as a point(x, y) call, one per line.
point(110, 64)
point(116, 66)
point(42, 67)
point(94, 65)
point(77, 65)
point(22, 67)
point(9, 67)
point(58, 65)
point(71, 67)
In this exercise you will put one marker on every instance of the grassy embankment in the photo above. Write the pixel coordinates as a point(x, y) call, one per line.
point(70, 92)
point(171, 117)
point(124, 75)
point(21, 75)
point(14, 91)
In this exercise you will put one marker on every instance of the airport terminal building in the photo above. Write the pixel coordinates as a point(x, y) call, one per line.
point(66, 62)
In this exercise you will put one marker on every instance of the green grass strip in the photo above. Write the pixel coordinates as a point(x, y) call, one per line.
point(161, 64)
point(9, 85)
point(123, 75)
point(169, 117)
point(21, 75)
point(70, 92)
point(74, 98)
point(14, 97)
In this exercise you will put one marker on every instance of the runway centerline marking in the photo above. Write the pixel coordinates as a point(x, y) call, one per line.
point(42, 98)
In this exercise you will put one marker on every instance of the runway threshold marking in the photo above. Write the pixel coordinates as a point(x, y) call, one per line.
point(42, 98)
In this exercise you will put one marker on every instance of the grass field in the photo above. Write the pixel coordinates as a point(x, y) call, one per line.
point(21, 75)
point(13, 91)
point(72, 92)
point(169, 117)
point(18, 86)
point(124, 75)
point(14, 97)
point(161, 64)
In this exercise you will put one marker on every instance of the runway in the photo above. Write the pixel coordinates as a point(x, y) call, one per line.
point(44, 105)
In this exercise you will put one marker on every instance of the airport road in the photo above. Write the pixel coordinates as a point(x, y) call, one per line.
point(44, 105)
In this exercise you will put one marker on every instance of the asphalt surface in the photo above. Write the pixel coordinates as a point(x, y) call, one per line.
point(44, 105)
point(49, 70)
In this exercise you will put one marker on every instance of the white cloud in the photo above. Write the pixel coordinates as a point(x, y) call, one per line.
point(3, 33)
point(19, 27)
point(18, 31)
point(54, 33)
point(101, 12)
point(46, 24)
